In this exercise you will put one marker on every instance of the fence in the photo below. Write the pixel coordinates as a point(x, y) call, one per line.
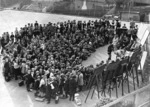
point(139, 98)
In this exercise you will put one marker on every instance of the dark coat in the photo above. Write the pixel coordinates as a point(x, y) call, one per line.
point(48, 91)
point(66, 85)
point(29, 79)
point(36, 85)
point(110, 49)
point(55, 84)
point(7, 67)
point(72, 85)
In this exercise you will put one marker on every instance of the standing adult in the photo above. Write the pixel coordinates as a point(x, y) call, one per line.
point(28, 80)
point(110, 49)
point(66, 86)
point(80, 81)
point(6, 70)
point(42, 86)
point(48, 90)
point(72, 87)
point(16, 70)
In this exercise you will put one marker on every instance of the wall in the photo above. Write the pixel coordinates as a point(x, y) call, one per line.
point(139, 98)
point(142, 1)
point(127, 16)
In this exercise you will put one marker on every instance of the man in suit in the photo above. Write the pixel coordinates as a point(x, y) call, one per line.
point(66, 86)
point(110, 49)
point(72, 87)
point(29, 80)
point(6, 69)
point(48, 89)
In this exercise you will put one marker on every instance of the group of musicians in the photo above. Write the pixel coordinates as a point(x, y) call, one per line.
point(125, 40)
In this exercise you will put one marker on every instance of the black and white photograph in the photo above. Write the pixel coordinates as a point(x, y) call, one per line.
point(74, 53)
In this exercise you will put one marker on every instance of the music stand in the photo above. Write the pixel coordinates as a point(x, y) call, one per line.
point(119, 75)
point(110, 76)
point(95, 79)
point(135, 62)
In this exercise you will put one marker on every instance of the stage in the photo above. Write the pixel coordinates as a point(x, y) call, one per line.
point(11, 95)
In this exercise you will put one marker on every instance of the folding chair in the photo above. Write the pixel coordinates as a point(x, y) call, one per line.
point(121, 71)
point(134, 63)
point(108, 78)
point(91, 83)
point(95, 81)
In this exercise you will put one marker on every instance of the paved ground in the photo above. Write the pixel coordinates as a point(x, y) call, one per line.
point(13, 96)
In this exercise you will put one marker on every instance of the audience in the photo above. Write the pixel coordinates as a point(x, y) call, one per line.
point(49, 57)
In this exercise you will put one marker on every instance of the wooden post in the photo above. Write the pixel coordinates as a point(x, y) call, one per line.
point(132, 70)
point(127, 78)
point(90, 89)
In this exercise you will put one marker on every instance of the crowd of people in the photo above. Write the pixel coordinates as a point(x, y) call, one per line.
point(49, 57)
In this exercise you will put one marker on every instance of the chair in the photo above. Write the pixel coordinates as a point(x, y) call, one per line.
point(94, 81)
point(108, 77)
point(134, 63)
point(121, 71)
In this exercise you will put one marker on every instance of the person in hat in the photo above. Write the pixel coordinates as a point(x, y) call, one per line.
point(6, 69)
point(48, 89)
point(42, 86)
point(23, 68)
point(110, 49)
point(61, 85)
point(80, 80)
point(17, 70)
point(28, 78)
point(66, 85)
point(54, 86)
point(36, 85)
point(72, 87)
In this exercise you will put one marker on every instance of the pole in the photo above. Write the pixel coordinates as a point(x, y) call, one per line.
point(129, 11)
point(0, 3)
point(91, 84)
